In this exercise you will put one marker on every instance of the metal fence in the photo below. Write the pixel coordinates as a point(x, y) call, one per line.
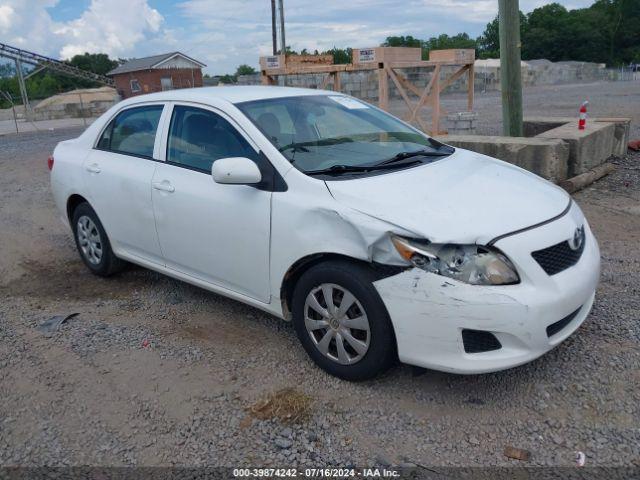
point(624, 74)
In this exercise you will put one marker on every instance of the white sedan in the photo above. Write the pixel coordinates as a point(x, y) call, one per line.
point(378, 242)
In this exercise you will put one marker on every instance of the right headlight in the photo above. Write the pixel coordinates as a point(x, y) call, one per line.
point(473, 264)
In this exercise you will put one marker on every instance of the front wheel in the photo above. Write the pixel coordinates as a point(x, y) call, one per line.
point(342, 322)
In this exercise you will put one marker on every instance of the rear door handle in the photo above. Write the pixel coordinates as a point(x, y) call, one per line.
point(164, 186)
point(93, 168)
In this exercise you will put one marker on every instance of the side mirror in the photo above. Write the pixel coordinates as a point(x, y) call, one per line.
point(236, 171)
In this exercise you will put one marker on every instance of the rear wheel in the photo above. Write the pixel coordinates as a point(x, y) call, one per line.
point(92, 242)
point(342, 322)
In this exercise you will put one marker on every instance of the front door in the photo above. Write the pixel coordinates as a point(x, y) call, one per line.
point(213, 232)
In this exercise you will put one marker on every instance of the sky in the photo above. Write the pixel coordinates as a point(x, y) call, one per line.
point(226, 33)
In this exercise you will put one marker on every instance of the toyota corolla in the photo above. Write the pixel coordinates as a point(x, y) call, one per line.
point(378, 242)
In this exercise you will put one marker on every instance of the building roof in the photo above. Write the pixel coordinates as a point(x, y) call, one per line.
point(148, 63)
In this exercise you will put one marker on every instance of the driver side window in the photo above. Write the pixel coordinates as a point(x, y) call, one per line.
point(198, 137)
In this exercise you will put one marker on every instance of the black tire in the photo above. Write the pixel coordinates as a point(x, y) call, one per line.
point(108, 263)
point(358, 280)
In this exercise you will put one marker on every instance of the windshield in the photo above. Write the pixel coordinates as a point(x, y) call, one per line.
point(319, 132)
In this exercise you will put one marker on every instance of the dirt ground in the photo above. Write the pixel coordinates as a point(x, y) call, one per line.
point(156, 372)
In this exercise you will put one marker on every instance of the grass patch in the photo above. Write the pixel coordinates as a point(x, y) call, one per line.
point(287, 405)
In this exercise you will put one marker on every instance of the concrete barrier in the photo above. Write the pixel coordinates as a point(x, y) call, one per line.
point(536, 125)
point(547, 157)
point(588, 148)
point(622, 133)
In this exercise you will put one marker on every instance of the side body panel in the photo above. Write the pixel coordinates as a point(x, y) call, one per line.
point(119, 190)
point(216, 233)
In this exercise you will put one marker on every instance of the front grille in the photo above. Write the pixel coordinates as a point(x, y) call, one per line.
point(477, 341)
point(559, 257)
point(560, 324)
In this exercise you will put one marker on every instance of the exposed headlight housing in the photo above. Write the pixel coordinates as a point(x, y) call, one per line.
point(473, 264)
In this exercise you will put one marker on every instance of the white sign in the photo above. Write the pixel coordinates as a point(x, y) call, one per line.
point(350, 103)
point(272, 62)
point(366, 55)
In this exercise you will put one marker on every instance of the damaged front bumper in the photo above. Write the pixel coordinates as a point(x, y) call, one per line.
point(429, 312)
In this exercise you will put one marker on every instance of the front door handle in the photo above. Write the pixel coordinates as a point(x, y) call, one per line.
point(93, 168)
point(164, 186)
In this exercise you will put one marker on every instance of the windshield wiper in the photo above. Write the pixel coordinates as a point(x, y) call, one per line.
point(417, 153)
point(316, 143)
point(340, 169)
point(294, 147)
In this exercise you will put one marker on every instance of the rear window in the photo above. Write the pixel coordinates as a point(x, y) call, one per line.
point(133, 131)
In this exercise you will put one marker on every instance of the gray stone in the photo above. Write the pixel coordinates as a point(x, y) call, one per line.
point(283, 443)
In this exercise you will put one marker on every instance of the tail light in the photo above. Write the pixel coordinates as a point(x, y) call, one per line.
point(50, 162)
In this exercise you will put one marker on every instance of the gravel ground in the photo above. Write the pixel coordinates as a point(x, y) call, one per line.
point(156, 372)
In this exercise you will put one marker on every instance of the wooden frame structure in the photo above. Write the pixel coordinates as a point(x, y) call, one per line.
point(388, 62)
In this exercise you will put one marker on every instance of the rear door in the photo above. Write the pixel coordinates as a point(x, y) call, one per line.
point(216, 233)
point(118, 173)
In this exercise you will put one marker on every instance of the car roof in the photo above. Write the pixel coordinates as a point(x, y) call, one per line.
point(232, 94)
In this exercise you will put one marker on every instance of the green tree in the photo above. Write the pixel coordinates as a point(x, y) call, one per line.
point(227, 79)
point(607, 31)
point(7, 70)
point(444, 41)
point(99, 63)
point(547, 33)
point(619, 21)
point(341, 56)
point(402, 41)
point(245, 69)
point(488, 44)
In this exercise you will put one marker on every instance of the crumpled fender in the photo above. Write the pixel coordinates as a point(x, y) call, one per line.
point(303, 227)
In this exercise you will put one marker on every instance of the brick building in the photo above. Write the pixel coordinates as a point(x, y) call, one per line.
point(157, 73)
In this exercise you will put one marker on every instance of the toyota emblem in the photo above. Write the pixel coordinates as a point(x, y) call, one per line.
point(578, 239)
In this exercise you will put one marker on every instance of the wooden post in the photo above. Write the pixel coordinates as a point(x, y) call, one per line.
point(510, 72)
point(268, 80)
point(435, 123)
point(404, 96)
point(383, 89)
point(336, 82)
point(472, 86)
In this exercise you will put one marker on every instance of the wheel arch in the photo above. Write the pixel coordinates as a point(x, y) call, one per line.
point(72, 203)
point(300, 266)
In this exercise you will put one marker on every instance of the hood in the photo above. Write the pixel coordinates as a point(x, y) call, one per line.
point(464, 198)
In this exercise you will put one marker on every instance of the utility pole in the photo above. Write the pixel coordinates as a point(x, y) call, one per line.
point(283, 44)
point(274, 35)
point(510, 73)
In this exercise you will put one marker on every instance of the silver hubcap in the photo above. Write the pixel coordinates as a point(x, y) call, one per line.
point(337, 324)
point(89, 240)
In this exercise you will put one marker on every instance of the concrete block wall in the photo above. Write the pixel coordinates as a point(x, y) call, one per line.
point(364, 84)
point(73, 110)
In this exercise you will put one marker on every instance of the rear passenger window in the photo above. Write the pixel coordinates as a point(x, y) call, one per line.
point(132, 132)
point(197, 138)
